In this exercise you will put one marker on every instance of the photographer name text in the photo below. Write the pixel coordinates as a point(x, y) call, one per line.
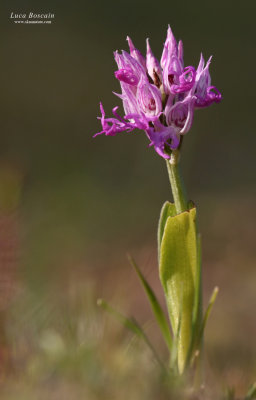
point(31, 15)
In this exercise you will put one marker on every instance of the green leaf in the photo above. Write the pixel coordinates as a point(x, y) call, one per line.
point(175, 347)
point(127, 322)
point(230, 393)
point(196, 337)
point(156, 308)
point(209, 309)
point(251, 394)
point(178, 274)
point(168, 210)
point(132, 325)
point(197, 311)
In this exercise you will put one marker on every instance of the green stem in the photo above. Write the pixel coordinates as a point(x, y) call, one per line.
point(178, 189)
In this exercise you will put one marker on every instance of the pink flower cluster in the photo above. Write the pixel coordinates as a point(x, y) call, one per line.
point(159, 98)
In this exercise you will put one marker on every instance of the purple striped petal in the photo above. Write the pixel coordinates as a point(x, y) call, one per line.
point(171, 72)
point(149, 99)
point(126, 62)
point(180, 53)
point(180, 115)
point(153, 66)
point(136, 54)
point(170, 48)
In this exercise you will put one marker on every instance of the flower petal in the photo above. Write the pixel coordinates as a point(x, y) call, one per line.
point(180, 52)
point(149, 99)
point(153, 66)
point(126, 62)
point(136, 54)
point(204, 92)
point(180, 115)
point(171, 72)
point(170, 48)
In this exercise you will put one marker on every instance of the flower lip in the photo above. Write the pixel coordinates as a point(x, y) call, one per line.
point(126, 75)
point(186, 81)
point(161, 137)
point(112, 126)
point(214, 94)
point(126, 62)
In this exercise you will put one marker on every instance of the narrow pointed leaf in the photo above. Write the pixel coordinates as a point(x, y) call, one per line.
point(132, 325)
point(209, 309)
point(156, 308)
point(127, 322)
point(230, 393)
point(251, 394)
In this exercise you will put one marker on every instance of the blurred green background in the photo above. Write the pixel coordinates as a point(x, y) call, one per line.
point(73, 206)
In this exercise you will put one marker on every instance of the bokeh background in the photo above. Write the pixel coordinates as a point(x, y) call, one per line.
point(71, 206)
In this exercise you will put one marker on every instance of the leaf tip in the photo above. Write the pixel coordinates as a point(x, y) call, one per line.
point(215, 292)
point(99, 302)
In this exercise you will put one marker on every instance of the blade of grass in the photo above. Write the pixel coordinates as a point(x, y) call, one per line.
point(132, 325)
point(208, 311)
point(196, 345)
point(156, 308)
point(230, 393)
point(251, 394)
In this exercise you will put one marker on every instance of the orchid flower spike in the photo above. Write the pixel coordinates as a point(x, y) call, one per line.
point(159, 97)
